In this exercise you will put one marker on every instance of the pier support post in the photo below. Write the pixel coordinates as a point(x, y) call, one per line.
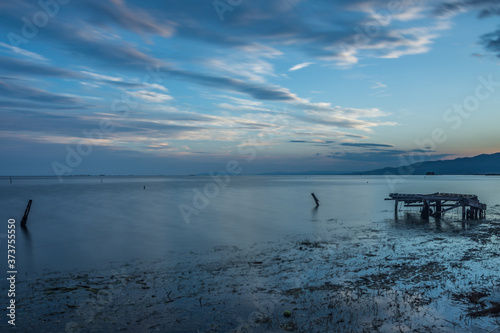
point(425, 210)
point(438, 209)
point(463, 212)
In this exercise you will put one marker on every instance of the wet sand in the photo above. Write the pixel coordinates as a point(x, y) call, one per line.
point(390, 276)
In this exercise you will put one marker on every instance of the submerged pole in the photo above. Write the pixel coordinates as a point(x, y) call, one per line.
point(315, 199)
point(26, 213)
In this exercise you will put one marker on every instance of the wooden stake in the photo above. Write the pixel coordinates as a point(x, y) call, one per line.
point(315, 199)
point(438, 213)
point(26, 213)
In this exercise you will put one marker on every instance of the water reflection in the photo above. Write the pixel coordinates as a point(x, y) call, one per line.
point(27, 245)
point(314, 213)
point(413, 221)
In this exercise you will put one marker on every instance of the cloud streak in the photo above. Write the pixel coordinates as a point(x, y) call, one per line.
point(26, 93)
point(300, 66)
point(365, 145)
point(19, 67)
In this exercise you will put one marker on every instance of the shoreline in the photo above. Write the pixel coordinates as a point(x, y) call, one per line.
point(377, 278)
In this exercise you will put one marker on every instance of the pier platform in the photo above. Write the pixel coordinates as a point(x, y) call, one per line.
point(436, 204)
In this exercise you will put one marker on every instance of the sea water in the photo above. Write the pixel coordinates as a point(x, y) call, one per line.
point(83, 223)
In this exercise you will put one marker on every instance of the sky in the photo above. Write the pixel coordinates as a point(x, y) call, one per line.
point(179, 87)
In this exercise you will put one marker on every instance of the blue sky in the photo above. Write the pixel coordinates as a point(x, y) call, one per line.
point(184, 86)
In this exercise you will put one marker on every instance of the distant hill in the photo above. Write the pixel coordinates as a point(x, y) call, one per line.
point(481, 164)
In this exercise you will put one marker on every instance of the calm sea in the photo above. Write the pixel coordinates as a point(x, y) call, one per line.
point(90, 222)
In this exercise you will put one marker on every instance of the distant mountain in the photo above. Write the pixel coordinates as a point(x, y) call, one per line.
point(481, 164)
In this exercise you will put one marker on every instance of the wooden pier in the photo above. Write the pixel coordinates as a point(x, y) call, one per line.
point(436, 204)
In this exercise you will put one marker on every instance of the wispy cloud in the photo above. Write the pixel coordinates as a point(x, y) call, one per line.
point(240, 107)
point(485, 8)
point(250, 62)
point(410, 41)
point(129, 17)
point(344, 118)
point(300, 66)
point(378, 85)
point(26, 93)
point(103, 77)
point(22, 67)
point(15, 50)
point(364, 145)
point(151, 96)
point(380, 89)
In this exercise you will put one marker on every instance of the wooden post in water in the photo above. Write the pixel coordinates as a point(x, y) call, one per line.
point(438, 209)
point(315, 199)
point(463, 211)
point(396, 203)
point(26, 213)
